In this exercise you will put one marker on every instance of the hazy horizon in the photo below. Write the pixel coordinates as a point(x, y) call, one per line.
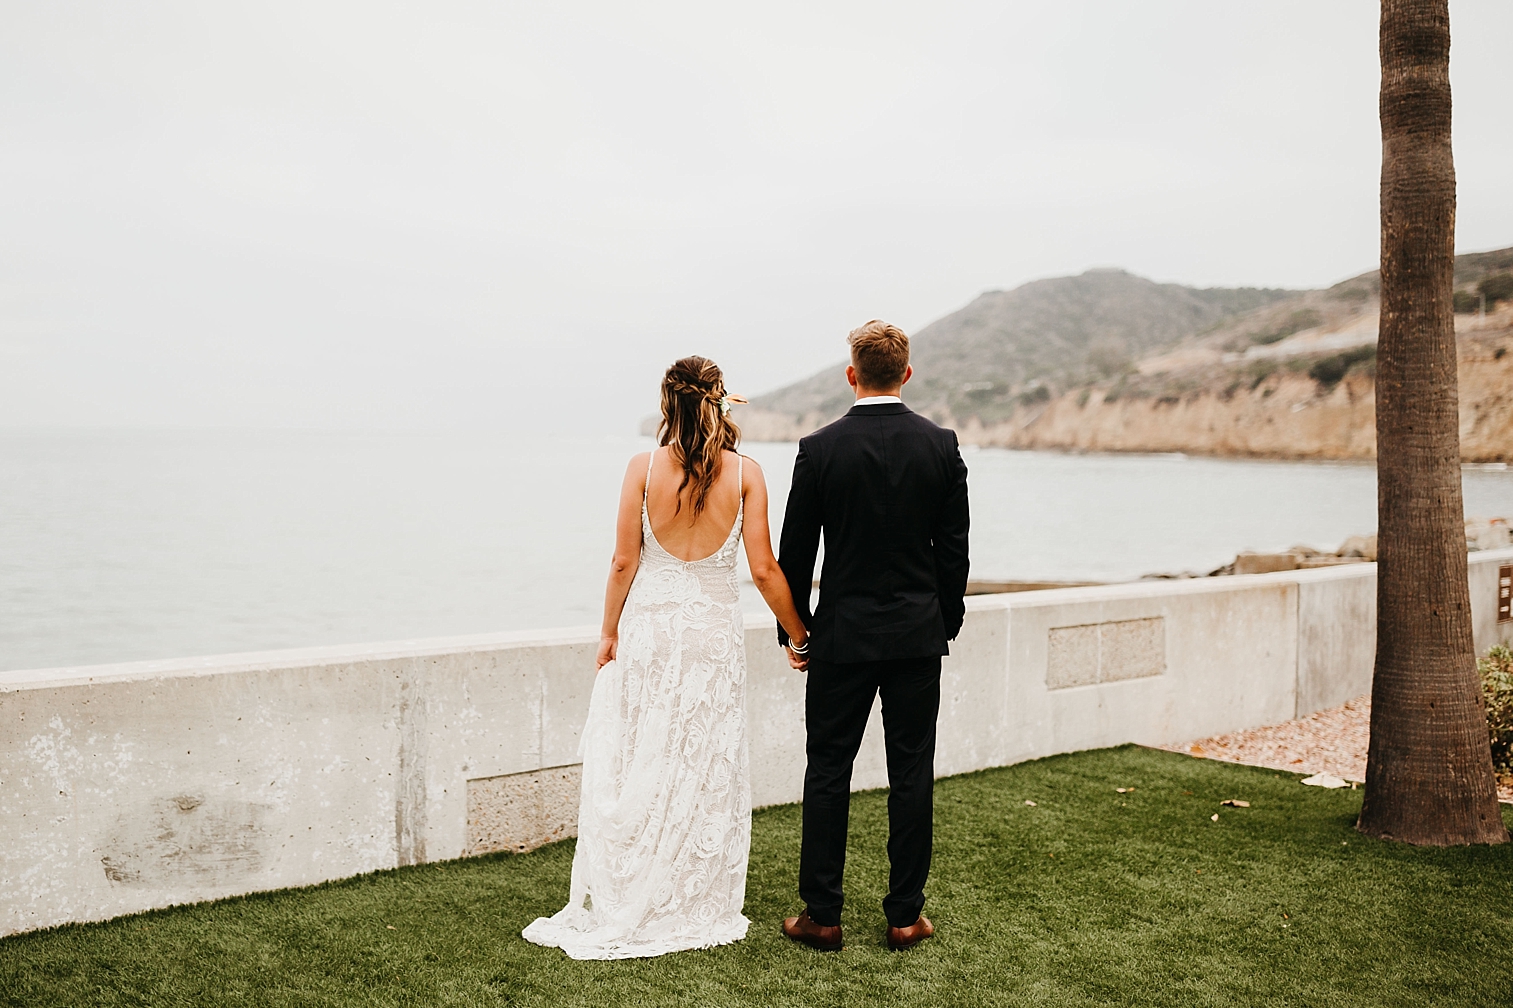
point(334, 216)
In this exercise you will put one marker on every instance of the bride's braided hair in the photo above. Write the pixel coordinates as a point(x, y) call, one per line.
point(695, 425)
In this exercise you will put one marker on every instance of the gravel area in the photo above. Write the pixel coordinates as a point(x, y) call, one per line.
point(1331, 741)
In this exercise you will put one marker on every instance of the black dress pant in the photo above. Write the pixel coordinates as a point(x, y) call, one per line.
point(837, 701)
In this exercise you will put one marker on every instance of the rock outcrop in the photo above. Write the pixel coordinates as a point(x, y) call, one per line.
point(1481, 534)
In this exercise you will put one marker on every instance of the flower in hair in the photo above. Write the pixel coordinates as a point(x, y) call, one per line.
point(727, 400)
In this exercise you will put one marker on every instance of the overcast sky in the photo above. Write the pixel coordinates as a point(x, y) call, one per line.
point(438, 215)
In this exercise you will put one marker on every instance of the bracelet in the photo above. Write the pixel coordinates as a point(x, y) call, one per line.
point(796, 649)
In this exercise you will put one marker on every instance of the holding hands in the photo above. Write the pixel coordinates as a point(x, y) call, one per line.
point(798, 652)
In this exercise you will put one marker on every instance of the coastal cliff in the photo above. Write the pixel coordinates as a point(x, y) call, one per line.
point(1286, 414)
point(1272, 374)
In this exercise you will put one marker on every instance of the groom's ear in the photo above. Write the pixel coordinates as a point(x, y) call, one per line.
point(908, 373)
point(851, 375)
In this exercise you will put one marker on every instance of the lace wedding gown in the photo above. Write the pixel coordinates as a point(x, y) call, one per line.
point(664, 824)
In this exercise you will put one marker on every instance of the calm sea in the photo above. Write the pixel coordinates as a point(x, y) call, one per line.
point(117, 546)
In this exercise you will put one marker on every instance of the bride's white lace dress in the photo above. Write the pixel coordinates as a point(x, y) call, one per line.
point(664, 826)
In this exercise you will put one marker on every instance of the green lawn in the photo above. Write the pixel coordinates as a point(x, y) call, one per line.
point(1089, 898)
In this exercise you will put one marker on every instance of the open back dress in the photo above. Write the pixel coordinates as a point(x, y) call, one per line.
point(664, 823)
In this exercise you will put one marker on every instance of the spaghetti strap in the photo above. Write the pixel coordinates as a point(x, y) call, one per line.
point(740, 485)
point(646, 487)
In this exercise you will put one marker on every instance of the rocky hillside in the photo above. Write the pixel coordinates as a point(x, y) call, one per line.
point(1309, 405)
point(1286, 374)
point(1007, 347)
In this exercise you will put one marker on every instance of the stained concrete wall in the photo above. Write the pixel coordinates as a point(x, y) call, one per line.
point(1336, 636)
point(127, 787)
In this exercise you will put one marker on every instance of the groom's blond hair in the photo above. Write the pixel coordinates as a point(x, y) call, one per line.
point(880, 354)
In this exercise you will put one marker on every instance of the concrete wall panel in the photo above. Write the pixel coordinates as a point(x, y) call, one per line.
point(774, 717)
point(1336, 637)
point(974, 694)
point(120, 796)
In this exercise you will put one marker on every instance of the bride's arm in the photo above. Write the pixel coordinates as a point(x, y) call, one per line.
point(622, 568)
point(765, 571)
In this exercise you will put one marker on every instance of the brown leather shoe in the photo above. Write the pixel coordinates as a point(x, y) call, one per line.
point(908, 937)
point(818, 936)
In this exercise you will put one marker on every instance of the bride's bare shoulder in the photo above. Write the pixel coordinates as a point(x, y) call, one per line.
point(750, 466)
point(637, 466)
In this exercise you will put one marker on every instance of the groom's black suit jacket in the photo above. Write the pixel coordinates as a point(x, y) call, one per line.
point(889, 490)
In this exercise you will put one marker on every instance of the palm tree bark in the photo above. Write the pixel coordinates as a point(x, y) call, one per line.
point(1429, 767)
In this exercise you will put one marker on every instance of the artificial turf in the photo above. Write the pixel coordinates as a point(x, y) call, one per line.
point(1089, 897)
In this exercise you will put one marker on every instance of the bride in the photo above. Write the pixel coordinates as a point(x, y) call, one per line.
point(664, 824)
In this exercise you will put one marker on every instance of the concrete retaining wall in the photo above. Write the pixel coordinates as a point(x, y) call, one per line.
point(127, 787)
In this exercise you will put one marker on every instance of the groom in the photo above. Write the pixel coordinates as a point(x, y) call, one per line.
point(888, 490)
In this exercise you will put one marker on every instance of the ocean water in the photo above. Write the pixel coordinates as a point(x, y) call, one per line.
point(118, 546)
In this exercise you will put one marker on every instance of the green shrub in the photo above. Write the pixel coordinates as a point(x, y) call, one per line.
point(1466, 302)
point(1303, 318)
point(1034, 396)
point(1353, 292)
point(1497, 287)
point(1259, 371)
point(1497, 697)
point(1108, 360)
point(1328, 371)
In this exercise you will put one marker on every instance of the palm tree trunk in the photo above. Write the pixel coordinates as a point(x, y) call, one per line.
point(1429, 767)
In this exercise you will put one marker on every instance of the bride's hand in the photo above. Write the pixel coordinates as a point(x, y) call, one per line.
point(795, 659)
point(607, 648)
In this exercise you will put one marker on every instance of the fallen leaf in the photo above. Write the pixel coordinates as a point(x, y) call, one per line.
point(1235, 803)
point(1125, 790)
point(1029, 803)
point(391, 927)
point(1215, 817)
point(1326, 780)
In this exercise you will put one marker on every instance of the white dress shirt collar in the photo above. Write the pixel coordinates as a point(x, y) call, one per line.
point(877, 400)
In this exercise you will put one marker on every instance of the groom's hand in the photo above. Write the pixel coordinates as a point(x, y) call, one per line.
point(800, 662)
